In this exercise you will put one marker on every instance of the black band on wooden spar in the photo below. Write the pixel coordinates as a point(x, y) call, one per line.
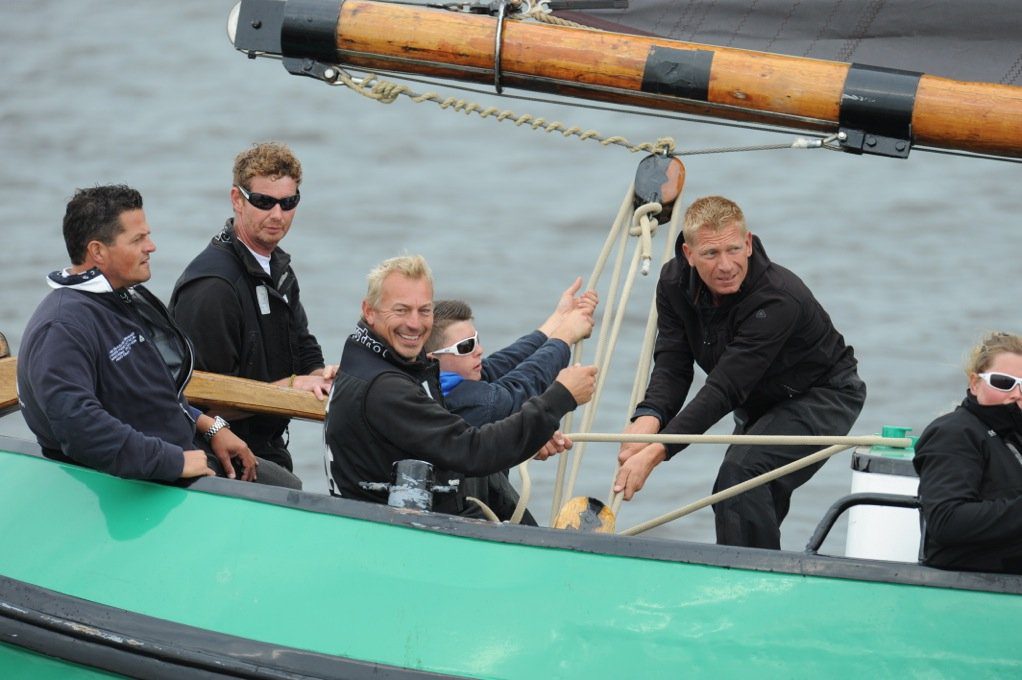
point(309, 30)
point(876, 110)
point(258, 29)
point(679, 73)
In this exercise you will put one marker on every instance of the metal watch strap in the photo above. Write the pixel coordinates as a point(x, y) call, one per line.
point(218, 424)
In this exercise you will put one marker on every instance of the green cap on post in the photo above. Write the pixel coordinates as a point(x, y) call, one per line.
point(895, 432)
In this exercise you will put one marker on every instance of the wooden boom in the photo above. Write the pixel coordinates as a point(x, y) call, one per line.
point(882, 111)
point(210, 390)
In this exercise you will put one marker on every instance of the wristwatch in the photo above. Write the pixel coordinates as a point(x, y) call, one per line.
point(218, 424)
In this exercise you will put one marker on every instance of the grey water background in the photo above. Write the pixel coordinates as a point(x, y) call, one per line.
point(914, 259)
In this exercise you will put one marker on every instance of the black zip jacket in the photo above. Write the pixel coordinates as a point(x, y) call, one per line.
point(970, 483)
point(768, 342)
point(384, 408)
point(95, 387)
point(243, 322)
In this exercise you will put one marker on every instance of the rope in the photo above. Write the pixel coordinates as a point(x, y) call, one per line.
point(748, 439)
point(608, 245)
point(644, 227)
point(523, 496)
point(636, 223)
point(490, 514)
point(541, 12)
point(387, 92)
point(645, 362)
point(735, 490)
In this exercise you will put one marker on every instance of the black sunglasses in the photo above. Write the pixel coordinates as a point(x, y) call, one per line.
point(460, 348)
point(264, 202)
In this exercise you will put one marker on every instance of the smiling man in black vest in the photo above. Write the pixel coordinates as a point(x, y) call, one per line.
point(387, 405)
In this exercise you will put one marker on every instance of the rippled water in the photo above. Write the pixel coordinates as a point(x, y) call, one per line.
point(913, 259)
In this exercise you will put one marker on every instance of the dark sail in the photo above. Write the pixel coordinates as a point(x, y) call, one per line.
point(973, 40)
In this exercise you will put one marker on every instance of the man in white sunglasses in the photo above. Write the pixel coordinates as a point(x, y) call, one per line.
point(486, 390)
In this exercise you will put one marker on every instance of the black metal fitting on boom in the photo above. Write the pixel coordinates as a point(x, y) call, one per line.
point(876, 111)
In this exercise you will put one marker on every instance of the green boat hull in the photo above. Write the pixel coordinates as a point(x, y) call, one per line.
point(266, 578)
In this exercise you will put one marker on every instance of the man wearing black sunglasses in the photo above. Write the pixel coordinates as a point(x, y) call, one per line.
point(239, 299)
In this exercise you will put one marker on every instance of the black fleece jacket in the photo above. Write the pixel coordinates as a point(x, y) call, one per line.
point(970, 483)
point(384, 408)
point(244, 322)
point(770, 341)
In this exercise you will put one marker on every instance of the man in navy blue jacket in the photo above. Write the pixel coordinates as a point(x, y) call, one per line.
point(486, 390)
point(103, 368)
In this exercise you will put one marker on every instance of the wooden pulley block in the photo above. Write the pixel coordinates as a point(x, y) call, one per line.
point(587, 515)
point(659, 179)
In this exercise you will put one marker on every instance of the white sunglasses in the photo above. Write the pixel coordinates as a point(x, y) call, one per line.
point(1001, 381)
point(460, 348)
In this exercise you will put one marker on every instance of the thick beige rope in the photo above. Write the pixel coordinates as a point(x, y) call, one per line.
point(735, 490)
point(613, 237)
point(490, 514)
point(523, 494)
point(638, 223)
point(748, 439)
point(645, 362)
point(387, 92)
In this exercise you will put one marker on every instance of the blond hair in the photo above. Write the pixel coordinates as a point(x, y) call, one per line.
point(711, 212)
point(994, 344)
point(268, 159)
point(410, 266)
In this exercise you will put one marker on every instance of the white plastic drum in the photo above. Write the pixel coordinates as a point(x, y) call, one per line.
point(883, 533)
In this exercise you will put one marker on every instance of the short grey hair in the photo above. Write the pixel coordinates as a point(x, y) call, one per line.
point(410, 266)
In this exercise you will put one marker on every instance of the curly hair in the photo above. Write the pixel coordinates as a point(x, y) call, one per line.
point(268, 159)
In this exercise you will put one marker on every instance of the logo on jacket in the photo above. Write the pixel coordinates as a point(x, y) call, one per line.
point(123, 348)
point(362, 337)
point(760, 314)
